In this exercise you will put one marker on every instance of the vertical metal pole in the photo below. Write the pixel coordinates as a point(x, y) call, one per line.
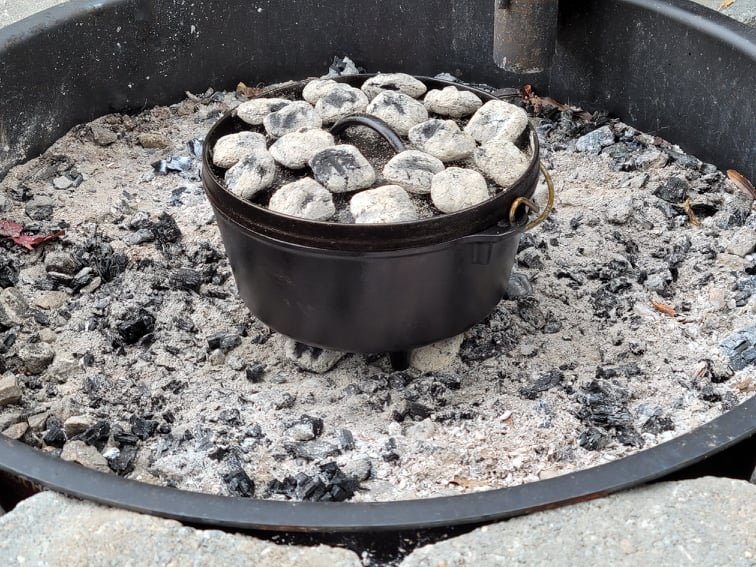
point(524, 34)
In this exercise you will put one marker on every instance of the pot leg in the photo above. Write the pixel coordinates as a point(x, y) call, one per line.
point(400, 360)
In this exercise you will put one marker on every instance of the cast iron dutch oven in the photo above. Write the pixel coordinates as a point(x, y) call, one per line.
point(371, 288)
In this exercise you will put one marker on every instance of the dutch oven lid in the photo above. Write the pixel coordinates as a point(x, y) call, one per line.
point(257, 219)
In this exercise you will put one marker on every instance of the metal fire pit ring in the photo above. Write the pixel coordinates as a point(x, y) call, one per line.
point(590, 69)
point(37, 470)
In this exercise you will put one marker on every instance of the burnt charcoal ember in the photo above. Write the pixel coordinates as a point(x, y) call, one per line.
point(518, 286)
point(658, 424)
point(346, 440)
point(97, 435)
point(484, 345)
point(186, 278)
point(311, 358)
point(311, 450)
point(390, 454)
point(608, 305)
point(331, 484)
point(111, 265)
point(709, 394)
point(96, 387)
point(412, 410)
point(378, 401)
point(8, 272)
point(124, 439)
point(239, 483)
point(286, 401)
point(674, 190)
point(142, 427)
point(55, 436)
point(136, 327)
point(231, 416)
point(593, 439)
point(174, 163)
point(629, 436)
point(545, 382)
point(449, 380)
point(399, 380)
point(306, 428)
point(223, 341)
point(605, 407)
point(740, 348)
point(255, 372)
point(530, 258)
point(529, 311)
point(374, 383)
point(166, 231)
point(121, 461)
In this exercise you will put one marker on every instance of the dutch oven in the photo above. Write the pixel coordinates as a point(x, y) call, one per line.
point(371, 288)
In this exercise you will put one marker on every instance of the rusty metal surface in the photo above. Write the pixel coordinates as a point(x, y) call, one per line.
point(525, 32)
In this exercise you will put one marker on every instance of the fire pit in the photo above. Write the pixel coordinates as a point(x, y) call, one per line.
point(589, 69)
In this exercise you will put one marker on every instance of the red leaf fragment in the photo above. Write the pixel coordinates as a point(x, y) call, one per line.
point(30, 241)
point(10, 228)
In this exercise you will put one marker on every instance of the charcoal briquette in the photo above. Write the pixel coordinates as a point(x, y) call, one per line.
point(97, 435)
point(143, 428)
point(239, 483)
point(134, 328)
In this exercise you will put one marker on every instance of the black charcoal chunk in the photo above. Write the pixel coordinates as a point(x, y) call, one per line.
point(239, 483)
point(134, 328)
point(143, 428)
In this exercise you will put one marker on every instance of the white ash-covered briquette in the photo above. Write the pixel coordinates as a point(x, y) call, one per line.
point(398, 110)
point(342, 169)
point(394, 82)
point(292, 117)
point(501, 161)
point(457, 188)
point(254, 111)
point(294, 150)
point(497, 119)
point(388, 203)
point(413, 170)
point(229, 149)
point(442, 139)
point(339, 102)
point(452, 102)
point(316, 88)
point(252, 174)
point(305, 198)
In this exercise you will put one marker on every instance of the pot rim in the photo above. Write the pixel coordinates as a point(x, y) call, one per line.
point(361, 237)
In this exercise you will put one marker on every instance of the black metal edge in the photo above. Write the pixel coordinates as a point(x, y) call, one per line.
point(678, 59)
point(249, 514)
point(602, 61)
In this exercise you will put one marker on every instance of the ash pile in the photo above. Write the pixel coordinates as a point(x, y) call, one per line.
point(125, 347)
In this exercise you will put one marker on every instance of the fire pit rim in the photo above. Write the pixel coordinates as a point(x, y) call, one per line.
point(47, 472)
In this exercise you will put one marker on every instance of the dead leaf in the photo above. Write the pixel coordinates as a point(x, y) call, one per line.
point(12, 231)
point(666, 309)
point(691, 215)
point(246, 91)
point(726, 3)
point(10, 228)
point(31, 241)
point(741, 182)
point(746, 385)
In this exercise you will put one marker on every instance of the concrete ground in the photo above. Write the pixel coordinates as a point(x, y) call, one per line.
point(701, 522)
